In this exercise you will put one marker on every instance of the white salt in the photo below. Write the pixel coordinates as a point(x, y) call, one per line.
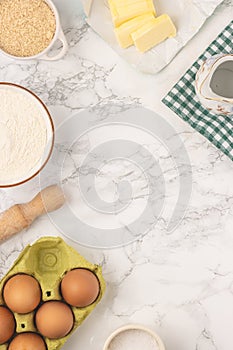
point(133, 340)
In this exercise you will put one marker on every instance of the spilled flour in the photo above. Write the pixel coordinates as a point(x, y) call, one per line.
point(133, 340)
point(23, 135)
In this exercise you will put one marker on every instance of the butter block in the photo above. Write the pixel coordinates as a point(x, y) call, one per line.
point(123, 11)
point(124, 31)
point(153, 32)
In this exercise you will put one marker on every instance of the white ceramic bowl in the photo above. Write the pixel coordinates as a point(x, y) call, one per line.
point(50, 135)
point(131, 327)
point(58, 36)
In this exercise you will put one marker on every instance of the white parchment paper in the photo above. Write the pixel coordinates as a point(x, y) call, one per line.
point(188, 16)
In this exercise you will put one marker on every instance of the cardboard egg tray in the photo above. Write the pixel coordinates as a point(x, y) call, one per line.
point(48, 260)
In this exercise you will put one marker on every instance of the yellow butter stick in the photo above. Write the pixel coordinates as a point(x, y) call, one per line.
point(123, 11)
point(124, 31)
point(153, 32)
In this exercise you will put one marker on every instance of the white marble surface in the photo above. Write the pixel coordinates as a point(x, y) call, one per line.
point(178, 284)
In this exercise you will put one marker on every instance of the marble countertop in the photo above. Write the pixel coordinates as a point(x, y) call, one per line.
point(179, 284)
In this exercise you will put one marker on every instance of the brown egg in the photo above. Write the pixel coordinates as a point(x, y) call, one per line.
point(80, 287)
point(22, 293)
point(27, 341)
point(54, 319)
point(7, 324)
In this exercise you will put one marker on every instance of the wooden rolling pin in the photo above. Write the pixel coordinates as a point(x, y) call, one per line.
point(21, 216)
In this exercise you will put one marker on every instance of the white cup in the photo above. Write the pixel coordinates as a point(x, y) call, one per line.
point(58, 36)
point(131, 327)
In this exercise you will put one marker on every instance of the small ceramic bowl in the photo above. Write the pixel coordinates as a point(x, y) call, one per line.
point(133, 327)
point(50, 135)
point(58, 36)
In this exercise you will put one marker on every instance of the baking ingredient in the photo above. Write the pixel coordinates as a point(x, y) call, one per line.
point(23, 135)
point(124, 31)
point(7, 324)
point(80, 287)
point(134, 339)
point(54, 319)
point(153, 32)
point(27, 27)
point(49, 258)
point(22, 293)
point(124, 10)
point(135, 23)
point(27, 341)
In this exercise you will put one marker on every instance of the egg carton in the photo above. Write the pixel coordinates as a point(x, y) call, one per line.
point(48, 260)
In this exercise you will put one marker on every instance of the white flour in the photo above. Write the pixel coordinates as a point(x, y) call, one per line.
point(133, 340)
point(23, 135)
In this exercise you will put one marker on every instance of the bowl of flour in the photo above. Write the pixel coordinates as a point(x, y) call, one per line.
point(26, 135)
point(134, 337)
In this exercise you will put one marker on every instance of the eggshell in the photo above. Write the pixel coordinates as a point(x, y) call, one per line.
point(22, 293)
point(54, 319)
point(47, 261)
point(7, 324)
point(80, 287)
point(27, 341)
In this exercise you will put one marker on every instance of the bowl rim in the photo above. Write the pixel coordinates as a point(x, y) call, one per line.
point(52, 137)
point(130, 327)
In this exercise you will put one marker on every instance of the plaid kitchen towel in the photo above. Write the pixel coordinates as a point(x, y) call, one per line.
point(183, 101)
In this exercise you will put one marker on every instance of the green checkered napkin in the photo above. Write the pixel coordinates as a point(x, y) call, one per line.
point(183, 101)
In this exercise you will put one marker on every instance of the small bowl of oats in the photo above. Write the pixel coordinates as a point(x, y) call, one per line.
point(29, 30)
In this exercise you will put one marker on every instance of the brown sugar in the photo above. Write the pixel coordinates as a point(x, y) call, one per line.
point(27, 27)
